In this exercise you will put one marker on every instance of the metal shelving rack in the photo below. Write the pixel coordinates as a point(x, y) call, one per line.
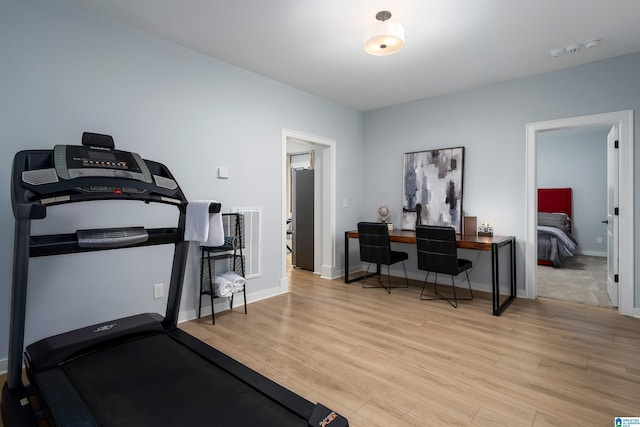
point(231, 251)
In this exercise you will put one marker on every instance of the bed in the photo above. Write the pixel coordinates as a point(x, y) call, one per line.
point(555, 242)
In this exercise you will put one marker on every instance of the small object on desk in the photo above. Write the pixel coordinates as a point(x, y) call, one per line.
point(469, 225)
point(384, 213)
point(485, 230)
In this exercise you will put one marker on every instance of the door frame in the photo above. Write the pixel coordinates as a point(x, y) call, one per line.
point(624, 121)
point(325, 243)
point(613, 223)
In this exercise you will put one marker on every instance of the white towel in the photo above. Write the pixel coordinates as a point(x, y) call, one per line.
point(222, 287)
point(236, 280)
point(202, 226)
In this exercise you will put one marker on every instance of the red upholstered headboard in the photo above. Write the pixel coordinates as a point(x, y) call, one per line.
point(555, 200)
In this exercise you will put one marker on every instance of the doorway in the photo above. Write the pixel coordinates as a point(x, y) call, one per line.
point(580, 278)
point(324, 198)
point(623, 120)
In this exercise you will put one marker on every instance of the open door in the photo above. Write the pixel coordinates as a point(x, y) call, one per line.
point(612, 216)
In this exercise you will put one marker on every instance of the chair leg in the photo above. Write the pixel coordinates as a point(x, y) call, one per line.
point(379, 280)
point(406, 278)
point(382, 285)
point(469, 282)
point(389, 279)
point(453, 303)
point(365, 277)
point(470, 291)
point(424, 285)
point(435, 290)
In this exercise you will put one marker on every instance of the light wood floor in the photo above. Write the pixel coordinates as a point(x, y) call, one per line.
point(393, 360)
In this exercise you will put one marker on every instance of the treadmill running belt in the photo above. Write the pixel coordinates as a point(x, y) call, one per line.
point(157, 381)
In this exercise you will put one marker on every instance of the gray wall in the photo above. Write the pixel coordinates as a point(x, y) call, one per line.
point(577, 158)
point(490, 123)
point(64, 71)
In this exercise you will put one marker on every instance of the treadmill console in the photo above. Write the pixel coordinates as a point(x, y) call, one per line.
point(94, 170)
point(71, 161)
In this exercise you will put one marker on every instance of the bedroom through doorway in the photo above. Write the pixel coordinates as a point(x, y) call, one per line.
point(623, 120)
point(572, 189)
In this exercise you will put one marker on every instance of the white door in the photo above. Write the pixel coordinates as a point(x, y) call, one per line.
point(612, 217)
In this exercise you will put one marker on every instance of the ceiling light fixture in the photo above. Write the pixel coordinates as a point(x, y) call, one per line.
point(574, 48)
point(591, 43)
point(383, 38)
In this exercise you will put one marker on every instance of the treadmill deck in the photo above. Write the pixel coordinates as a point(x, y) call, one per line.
point(156, 380)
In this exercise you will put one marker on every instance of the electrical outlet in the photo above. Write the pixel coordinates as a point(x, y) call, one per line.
point(598, 239)
point(158, 290)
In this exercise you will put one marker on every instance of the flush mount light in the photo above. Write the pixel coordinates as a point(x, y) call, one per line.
point(556, 52)
point(591, 43)
point(383, 38)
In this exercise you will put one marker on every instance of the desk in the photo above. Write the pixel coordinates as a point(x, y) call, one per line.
point(493, 244)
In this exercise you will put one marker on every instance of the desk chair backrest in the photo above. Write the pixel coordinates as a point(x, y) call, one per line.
point(437, 250)
point(375, 246)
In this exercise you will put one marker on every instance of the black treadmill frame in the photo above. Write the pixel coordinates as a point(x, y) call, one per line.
point(30, 202)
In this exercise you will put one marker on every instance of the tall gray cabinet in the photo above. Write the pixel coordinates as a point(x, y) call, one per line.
point(302, 218)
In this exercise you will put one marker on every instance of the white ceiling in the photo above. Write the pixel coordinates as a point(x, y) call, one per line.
point(451, 45)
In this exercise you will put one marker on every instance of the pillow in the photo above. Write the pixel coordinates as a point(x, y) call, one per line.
point(557, 220)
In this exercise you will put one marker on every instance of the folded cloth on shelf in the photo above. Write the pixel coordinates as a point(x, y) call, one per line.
point(222, 287)
point(230, 243)
point(202, 226)
point(236, 280)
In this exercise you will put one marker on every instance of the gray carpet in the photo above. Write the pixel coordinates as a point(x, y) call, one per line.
point(581, 279)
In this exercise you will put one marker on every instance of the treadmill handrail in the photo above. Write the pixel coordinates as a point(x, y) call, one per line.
point(60, 244)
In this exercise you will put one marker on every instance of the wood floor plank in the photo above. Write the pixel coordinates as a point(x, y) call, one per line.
point(391, 359)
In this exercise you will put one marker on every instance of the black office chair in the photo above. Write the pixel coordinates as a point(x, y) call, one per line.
point(438, 253)
point(375, 248)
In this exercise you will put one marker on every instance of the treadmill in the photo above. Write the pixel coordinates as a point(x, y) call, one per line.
point(139, 370)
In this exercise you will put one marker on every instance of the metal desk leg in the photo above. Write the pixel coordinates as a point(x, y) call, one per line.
point(498, 308)
point(495, 272)
point(346, 258)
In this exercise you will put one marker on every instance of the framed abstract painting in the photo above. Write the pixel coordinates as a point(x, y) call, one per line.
point(432, 188)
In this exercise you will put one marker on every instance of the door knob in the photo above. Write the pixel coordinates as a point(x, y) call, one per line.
point(606, 221)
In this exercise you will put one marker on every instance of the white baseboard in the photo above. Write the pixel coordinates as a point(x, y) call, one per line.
point(329, 272)
point(4, 364)
point(223, 305)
